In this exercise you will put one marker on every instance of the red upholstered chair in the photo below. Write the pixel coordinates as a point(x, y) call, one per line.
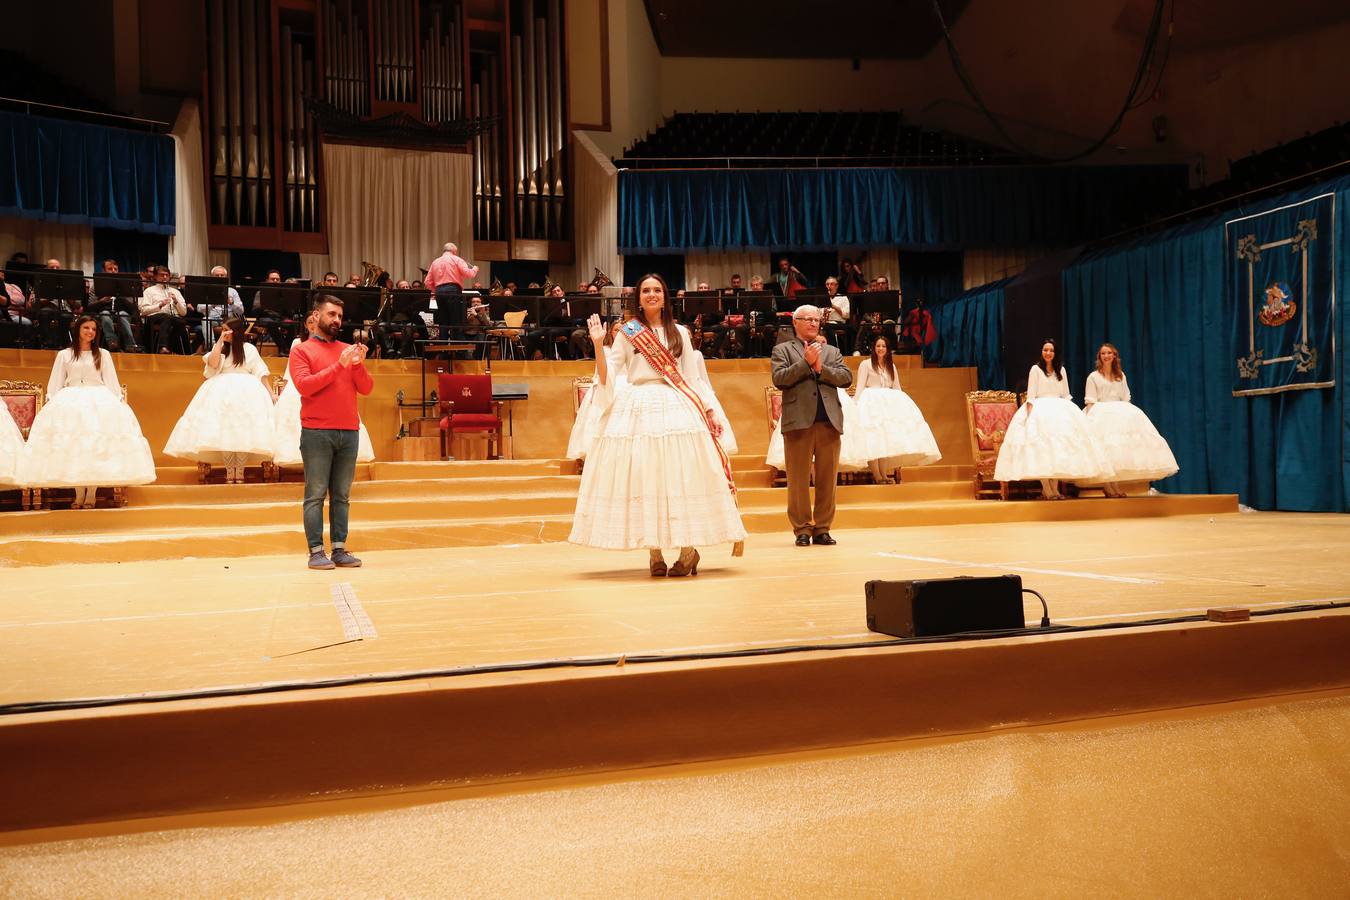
point(988, 414)
point(467, 407)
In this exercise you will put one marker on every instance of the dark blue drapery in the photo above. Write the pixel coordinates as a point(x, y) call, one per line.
point(918, 209)
point(969, 330)
point(1163, 300)
point(74, 173)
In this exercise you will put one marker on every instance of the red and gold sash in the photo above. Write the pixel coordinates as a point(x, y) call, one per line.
point(644, 341)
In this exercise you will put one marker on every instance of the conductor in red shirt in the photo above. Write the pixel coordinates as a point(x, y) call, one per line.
point(329, 374)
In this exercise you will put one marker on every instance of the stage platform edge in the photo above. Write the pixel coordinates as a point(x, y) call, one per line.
point(264, 750)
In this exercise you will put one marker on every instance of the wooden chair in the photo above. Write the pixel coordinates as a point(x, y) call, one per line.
point(24, 399)
point(773, 411)
point(988, 414)
point(467, 407)
point(510, 336)
point(579, 388)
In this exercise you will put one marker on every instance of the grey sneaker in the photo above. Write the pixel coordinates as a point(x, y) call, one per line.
point(317, 560)
point(344, 559)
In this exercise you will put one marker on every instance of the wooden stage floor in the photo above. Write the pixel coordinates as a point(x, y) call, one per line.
point(118, 630)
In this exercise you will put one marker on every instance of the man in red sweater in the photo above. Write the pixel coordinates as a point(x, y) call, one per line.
point(329, 374)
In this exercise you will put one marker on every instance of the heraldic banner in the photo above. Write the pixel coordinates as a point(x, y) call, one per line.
point(1281, 280)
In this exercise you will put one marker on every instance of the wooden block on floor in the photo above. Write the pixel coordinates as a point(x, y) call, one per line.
point(469, 446)
point(419, 448)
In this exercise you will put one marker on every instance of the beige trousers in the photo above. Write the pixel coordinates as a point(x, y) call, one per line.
point(809, 451)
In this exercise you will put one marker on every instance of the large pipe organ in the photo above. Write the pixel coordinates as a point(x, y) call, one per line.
point(486, 77)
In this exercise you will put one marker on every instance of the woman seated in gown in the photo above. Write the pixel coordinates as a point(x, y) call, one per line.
point(229, 421)
point(85, 435)
point(1135, 449)
point(1049, 438)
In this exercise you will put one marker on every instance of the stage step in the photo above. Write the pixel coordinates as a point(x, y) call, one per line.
point(764, 511)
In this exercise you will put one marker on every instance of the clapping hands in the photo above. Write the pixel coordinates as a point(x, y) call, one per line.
point(812, 354)
point(352, 355)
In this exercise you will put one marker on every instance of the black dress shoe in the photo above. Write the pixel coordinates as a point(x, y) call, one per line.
point(803, 540)
point(824, 539)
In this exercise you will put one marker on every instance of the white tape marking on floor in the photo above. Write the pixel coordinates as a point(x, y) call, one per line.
point(356, 624)
point(1119, 579)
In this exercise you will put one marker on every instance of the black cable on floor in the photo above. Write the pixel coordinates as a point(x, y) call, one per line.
point(41, 706)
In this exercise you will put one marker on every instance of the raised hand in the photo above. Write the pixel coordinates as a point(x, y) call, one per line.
point(596, 329)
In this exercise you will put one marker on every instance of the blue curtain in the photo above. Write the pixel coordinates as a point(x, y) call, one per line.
point(969, 330)
point(75, 174)
point(919, 209)
point(1164, 301)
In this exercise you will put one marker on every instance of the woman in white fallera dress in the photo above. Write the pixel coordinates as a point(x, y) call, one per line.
point(85, 436)
point(11, 446)
point(852, 442)
point(1049, 438)
point(286, 421)
point(897, 433)
point(1134, 447)
point(654, 476)
point(229, 421)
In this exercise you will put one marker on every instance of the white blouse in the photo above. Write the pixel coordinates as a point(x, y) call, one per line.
point(624, 360)
point(1101, 389)
point(67, 371)
point(1040, 384)
point(252, 365)
point(870, 376)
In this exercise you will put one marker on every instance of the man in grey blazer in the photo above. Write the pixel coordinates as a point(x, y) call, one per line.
point(807, 372)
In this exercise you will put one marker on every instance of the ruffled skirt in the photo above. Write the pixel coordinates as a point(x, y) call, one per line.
point(1133, 446)
point(11, 447)
point(86, 437)
point(852, 443)
point(230, 413)
point(895, 429)
point(653, 478)
point(1053, 441)
point(286, 431)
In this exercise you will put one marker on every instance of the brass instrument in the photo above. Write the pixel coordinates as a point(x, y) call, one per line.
point(601, 280)
point(373, 276)
point(496, 289)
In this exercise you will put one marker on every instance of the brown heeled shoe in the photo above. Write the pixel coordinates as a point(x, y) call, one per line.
point(657, 565)
point(687, 564)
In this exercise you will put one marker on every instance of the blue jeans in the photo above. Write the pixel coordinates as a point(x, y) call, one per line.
point(329, 455)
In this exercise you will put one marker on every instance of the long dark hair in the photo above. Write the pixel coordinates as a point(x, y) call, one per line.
point(1055, 364)
point(238, 326)
point(75, 341)
point(673, 342)
point(890, 356)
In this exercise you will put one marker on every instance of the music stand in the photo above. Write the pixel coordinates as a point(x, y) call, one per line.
point(51, 285)
point(498, 307)
point(289, 300)
point(21, 274)
point(121, 288)
point(407, 302)
point(700, 305)
point(760, 302)
point(583, 306)
point(550, 308)
point(885, 302)
point(359, 304)
point(203, 292)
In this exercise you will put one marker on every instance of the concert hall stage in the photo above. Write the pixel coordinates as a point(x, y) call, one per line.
point(174, 658)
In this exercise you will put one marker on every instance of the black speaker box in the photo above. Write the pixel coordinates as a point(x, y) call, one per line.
point(945, 605)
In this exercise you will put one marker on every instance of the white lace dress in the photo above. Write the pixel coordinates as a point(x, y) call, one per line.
point(897, 433)
point(286, 427)
point(11, 446)
point(1134, 447)
point(230, 413)
point(653, 476)
point(1053, 439)
point(587, 423)
point(84, 435)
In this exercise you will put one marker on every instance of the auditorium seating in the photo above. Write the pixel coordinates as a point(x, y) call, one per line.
point(773, 139)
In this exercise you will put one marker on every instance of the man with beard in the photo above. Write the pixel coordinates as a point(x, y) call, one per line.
point(329, 374)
